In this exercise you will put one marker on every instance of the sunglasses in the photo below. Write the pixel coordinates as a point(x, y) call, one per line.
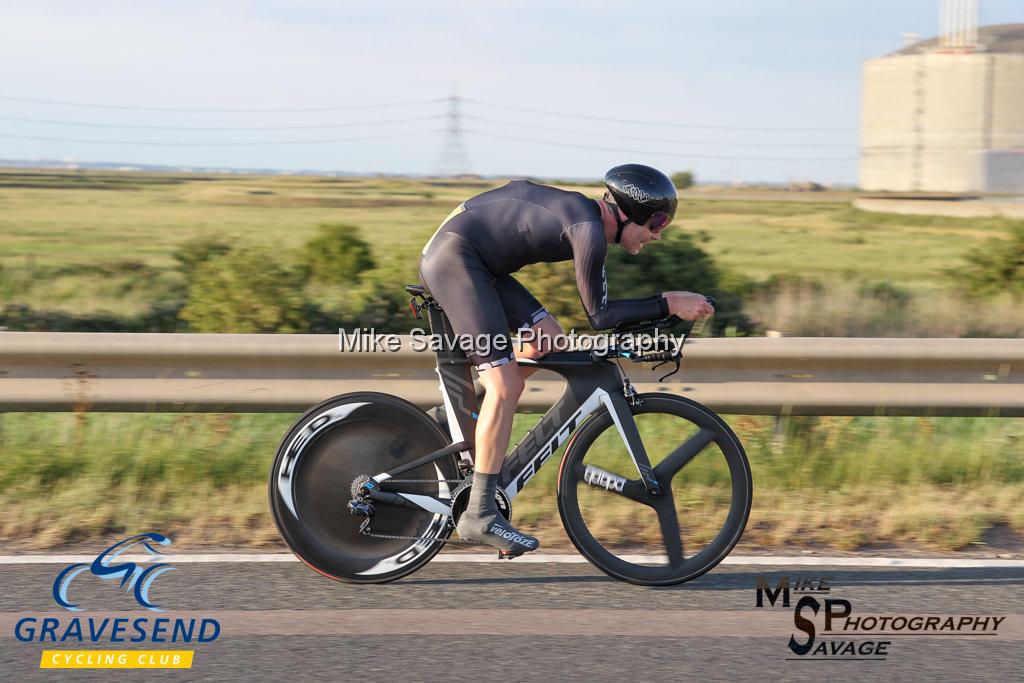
point(658, 221)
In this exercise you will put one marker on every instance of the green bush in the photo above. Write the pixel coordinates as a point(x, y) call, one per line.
point(886, 294)
point(336, 255)
point(778, 283)
point(198, 250)
point(683, 179)
point(675, 262)
point(246, 290)
point(996, 267)
point(157, 317)
point(379, 301)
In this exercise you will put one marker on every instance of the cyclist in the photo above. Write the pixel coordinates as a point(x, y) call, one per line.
point(468, 263)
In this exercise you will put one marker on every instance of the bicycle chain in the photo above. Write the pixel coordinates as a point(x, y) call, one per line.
point(457, 541)
point(421, 481)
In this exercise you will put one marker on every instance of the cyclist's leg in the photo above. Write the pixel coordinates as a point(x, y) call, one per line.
point(544, 332)
point(464, 287)
point(525, 313)
point(522, 312)
point(459, 280)
point(481, 520)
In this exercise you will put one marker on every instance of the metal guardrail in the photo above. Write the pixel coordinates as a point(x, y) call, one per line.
point(288, 373)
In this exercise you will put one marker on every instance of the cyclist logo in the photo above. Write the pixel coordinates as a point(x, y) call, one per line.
point(133, 577)
point(636, 193)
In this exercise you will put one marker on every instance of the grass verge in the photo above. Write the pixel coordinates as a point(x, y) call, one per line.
point(837, 482)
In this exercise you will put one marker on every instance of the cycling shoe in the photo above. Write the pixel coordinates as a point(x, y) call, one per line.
point(495, 531)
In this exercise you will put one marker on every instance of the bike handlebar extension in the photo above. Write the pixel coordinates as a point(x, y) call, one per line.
point(662, 357)
point(633, 326)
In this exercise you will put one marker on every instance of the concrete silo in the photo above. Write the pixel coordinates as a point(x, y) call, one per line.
point(947, 114)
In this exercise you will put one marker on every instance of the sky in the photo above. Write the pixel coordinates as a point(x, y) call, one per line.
point(734, 90)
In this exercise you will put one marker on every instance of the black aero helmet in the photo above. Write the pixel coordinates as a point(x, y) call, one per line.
point(641, 192)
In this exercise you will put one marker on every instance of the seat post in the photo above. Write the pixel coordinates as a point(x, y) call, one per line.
point(456, 374)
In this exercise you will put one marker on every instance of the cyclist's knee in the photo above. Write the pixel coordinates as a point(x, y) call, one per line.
point(504, 382)
point(542, 340)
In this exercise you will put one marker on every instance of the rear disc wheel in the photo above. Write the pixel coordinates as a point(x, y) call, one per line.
point(337, 441)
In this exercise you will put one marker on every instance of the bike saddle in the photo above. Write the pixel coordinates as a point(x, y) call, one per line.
point(417, 290)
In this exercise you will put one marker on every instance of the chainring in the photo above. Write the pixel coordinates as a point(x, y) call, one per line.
point(460, 499)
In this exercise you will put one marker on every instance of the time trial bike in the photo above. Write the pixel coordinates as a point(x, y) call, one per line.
point(367, 488)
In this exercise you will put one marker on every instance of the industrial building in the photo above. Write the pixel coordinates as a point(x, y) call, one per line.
point(947, 114)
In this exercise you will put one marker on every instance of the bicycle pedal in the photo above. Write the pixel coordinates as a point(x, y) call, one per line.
point(507, 555)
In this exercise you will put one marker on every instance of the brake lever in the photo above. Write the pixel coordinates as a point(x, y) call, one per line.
point(677, 361)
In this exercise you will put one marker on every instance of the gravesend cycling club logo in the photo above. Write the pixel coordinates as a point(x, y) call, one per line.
point(133, 576)
point(844, 636)
point(130, 574)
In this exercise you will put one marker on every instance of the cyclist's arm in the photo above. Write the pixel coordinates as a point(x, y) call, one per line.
point(589, 249)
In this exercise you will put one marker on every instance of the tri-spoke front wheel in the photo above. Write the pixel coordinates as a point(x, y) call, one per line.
point(664, 537)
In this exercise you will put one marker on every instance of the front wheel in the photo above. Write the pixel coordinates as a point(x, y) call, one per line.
point(696, 520)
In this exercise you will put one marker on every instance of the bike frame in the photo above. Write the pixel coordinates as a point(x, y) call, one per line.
point(591, 384)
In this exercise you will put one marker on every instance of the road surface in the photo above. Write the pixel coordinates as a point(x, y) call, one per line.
point(455, 621)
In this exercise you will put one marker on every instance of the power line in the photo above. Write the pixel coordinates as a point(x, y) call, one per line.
point(409, 103)
point(302, 127)
point(577, 131)
point(220, 144)
point(548, 112)
point(482, 119)
point(353, 124)
point(407, 134)
point(685, 155)
point(93, 105)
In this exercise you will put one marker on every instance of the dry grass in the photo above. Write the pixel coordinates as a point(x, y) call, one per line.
point(842, 309)
point(933, 483)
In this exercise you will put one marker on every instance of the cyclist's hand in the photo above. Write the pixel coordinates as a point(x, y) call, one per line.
point(688, 305)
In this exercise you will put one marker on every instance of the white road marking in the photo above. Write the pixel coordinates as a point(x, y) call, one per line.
point(743, 560)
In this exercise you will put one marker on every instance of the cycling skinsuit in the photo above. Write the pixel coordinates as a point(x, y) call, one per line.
point(467, 264)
